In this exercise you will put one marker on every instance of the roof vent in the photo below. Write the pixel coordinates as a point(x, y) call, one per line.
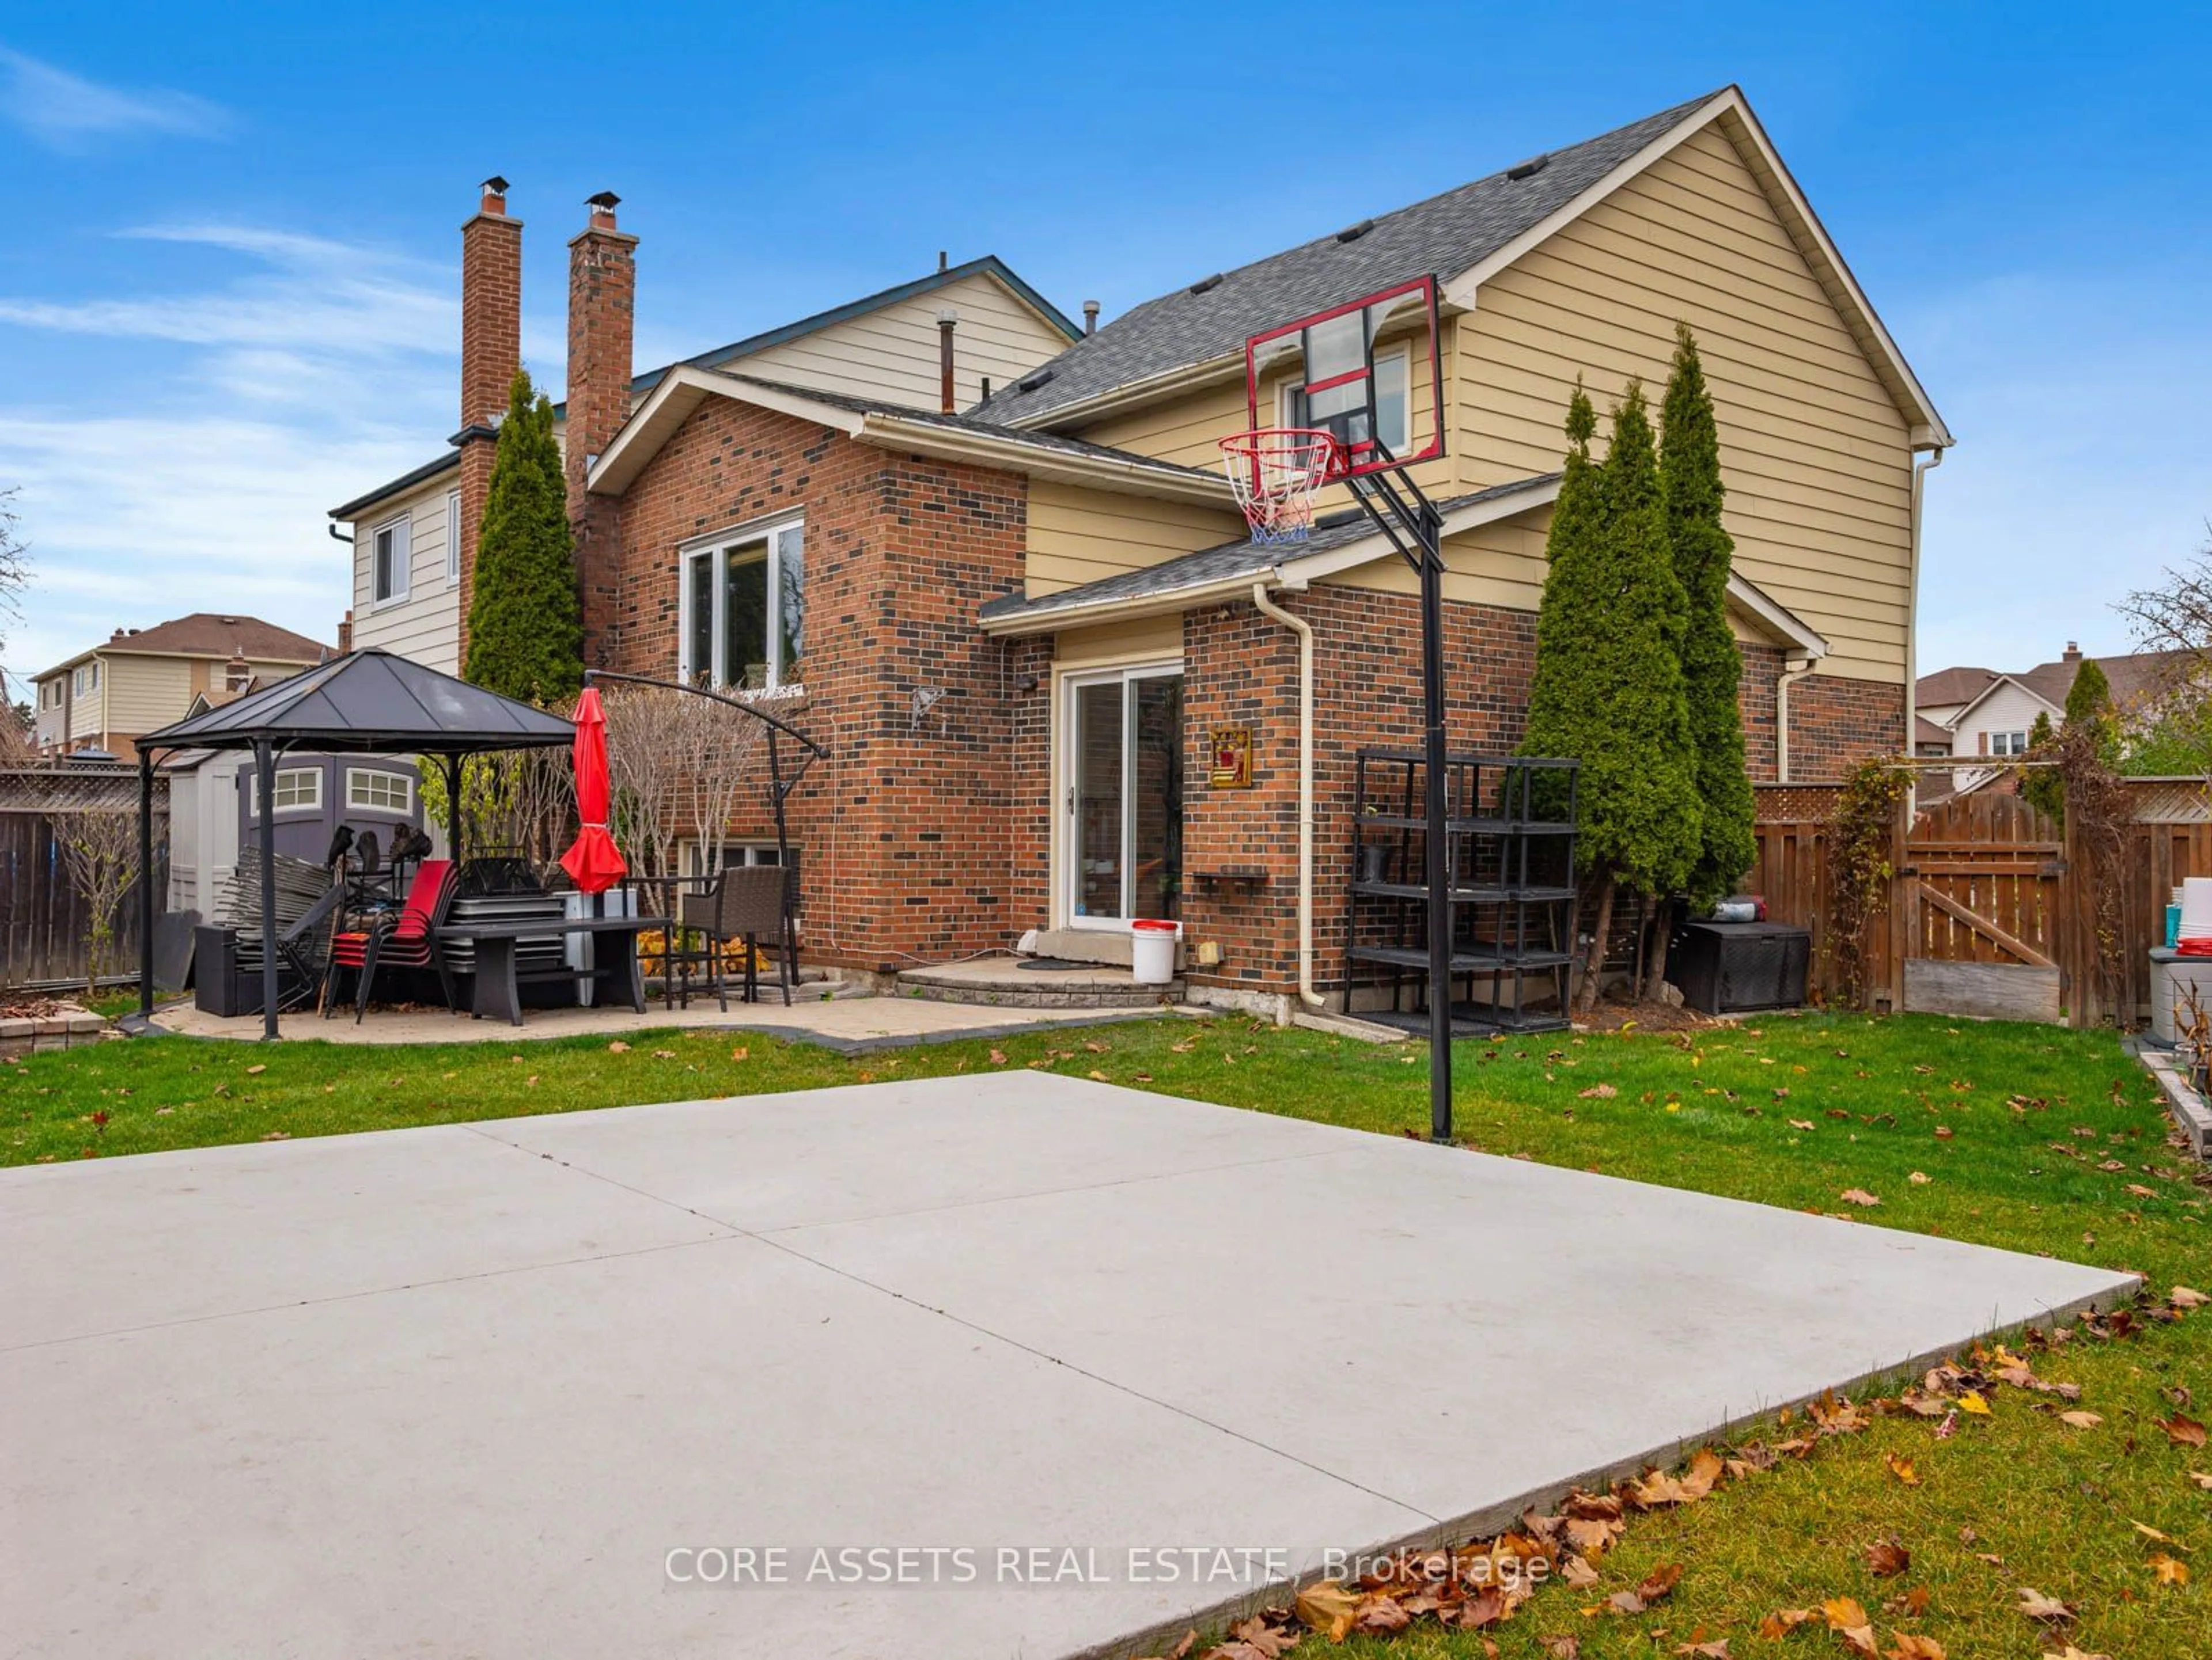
point(1205, 282)
point(1031, 382)
point(1354, 233)
point(1529, 168)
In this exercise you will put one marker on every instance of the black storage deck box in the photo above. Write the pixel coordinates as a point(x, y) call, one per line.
point(1730, 968)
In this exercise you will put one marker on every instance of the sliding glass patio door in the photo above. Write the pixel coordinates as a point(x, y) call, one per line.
point(1122, 743)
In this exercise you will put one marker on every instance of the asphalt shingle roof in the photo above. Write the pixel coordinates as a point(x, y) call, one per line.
point(1037, 441)
point(1439, 237)
point(1229, 561)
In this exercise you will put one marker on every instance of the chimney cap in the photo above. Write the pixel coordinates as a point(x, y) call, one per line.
point(605, 198)
point(494, 185)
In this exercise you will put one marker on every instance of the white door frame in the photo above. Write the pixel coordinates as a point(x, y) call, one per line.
point(1065, 855)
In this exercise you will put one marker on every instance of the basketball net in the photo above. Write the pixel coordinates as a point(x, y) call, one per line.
point(1276, 472)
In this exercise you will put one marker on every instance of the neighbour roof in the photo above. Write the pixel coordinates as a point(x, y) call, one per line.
point(368, 701)
point(1947, 686)
point(1925, 730)
point(989, 264)
point(2133, 678)
point(207, 634)
point(1438, 237)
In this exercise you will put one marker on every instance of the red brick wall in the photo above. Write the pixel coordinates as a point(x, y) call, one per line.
point(491, 351)
point(1762, 669)
point(602, 300)
point(906, 833)
point(1835, 723)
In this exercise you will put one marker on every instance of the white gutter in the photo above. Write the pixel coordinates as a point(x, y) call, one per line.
point(1303, 629)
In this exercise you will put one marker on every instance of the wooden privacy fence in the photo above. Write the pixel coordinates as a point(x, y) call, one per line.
point(46, 926)
point(1991, 909)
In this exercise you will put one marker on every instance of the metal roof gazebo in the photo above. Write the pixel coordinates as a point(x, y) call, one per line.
point(365, 703)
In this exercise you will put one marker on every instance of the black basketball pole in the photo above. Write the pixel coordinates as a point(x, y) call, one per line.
point(1406, 516)
point(1439, 871)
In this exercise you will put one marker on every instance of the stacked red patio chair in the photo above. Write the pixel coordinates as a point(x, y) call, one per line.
point(410, 942)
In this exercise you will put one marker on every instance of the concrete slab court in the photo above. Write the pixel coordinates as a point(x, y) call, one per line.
point(464, 1389)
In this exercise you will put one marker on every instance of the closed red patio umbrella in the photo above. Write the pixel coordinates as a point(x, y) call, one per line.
point(594, 863)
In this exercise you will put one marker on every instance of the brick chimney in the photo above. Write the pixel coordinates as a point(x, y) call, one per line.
point(2072, 653)
point(345, 634)
point(602, 305)
point(491, 351)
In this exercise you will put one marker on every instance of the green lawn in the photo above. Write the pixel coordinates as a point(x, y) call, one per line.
point(2014, 1129)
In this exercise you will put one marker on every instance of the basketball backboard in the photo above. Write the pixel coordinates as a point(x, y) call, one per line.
point(1365, 372)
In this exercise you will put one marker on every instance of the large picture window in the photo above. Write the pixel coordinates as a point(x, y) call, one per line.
point(743, 605)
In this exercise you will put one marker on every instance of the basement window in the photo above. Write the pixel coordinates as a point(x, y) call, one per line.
point(743, 609)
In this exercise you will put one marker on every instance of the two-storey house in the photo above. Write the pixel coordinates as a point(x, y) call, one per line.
point(1018, 628)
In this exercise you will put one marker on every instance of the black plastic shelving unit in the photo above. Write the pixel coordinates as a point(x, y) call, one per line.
point(1511, 857)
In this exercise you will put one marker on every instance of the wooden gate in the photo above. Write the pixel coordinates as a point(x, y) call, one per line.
point(1982, 911)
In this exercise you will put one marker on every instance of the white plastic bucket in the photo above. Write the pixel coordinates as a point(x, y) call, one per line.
point(1151, 950)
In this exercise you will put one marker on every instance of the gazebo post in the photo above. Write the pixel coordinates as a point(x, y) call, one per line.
point(265, 768)
point(145, 884)
point(453, 809)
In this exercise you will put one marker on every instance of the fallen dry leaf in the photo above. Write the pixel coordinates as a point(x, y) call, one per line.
point(1910, 1606)
point(257, 1069)
point(2073, 1653)
point(1886, 1558)
point(1848, 1619)
point(1920, 1178)
point(1905, 1646)
point(1327, 1606)
point(2153, 1534)
point(1973, 1401)
point(1660, 1582)
point(1717, 1649)
point(1800, 1123)
point(1562, 1648)
point(619, 1048)
point(1782, 1622)
point(1902, 1469)
point(2202, 1478)
point(2080, 1421)
point(2036, 1605)
point(2183, 1297)
point(2169, 1571)
point(1579, 1573)
point(1859, 1196)
point(2182, 1432)
point(1600, 1092)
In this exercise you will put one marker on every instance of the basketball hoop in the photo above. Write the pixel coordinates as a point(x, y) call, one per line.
point(1276, 471)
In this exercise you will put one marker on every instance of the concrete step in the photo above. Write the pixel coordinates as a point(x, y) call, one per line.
point(1002, 983)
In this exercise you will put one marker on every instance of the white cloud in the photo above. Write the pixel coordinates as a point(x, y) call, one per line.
point(319, 371)
point(67, 111)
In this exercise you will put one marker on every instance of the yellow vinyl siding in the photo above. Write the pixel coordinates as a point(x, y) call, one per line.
point(145, 692)
point(1077, 535)
point(892, 352)
point(1148, 639)
point(1817, 455)
point(1494, 564)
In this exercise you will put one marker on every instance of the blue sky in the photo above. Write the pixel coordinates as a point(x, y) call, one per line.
point(228, 299)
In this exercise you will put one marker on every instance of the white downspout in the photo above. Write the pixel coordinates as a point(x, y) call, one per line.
point(1920, 470)
point(1303, 629)
point(1788, 678)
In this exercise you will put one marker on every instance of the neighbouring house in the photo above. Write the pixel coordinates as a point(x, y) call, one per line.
point(1019, 627)
point(942, 340)
point(144, 679)
point(1984, 712)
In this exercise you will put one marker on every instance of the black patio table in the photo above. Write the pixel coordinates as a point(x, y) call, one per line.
point(498, 983)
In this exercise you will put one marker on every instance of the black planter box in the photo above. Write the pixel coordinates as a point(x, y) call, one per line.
point(1732, 968)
